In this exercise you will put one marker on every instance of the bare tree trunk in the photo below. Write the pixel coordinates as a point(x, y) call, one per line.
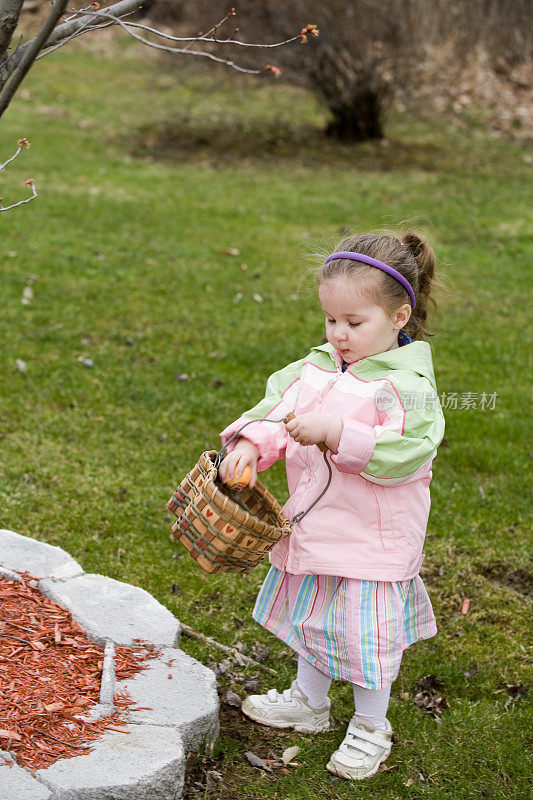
point(30, 54)
point(358, 120)
point(9, 16)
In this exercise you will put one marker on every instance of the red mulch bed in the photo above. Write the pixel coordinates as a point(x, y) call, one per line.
point(50, 673)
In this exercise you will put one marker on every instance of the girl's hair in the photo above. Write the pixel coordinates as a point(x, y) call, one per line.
point(410, 254)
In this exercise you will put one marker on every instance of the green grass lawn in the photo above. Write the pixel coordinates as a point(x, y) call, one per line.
point(142, 188)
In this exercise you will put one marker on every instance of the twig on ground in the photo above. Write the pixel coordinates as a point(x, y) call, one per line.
point(55, 738)
point(18, 639)
point(231, 650)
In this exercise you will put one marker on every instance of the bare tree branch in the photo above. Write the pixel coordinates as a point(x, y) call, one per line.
point(74, 25)
point(127, 26)
point(22, 144)
point(106, 13)
point(30, 54)
point(78, 32)
point(52, 35)
point(111, 19)
point(21, 202)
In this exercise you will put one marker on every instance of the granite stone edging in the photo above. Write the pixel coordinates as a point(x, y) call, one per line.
point(177, 694)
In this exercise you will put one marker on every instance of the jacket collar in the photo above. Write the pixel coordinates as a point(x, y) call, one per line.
point(415, 357)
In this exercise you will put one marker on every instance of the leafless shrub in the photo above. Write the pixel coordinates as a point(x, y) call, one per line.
point(370, 52)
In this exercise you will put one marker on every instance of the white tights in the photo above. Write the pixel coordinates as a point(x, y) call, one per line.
point(371, 704)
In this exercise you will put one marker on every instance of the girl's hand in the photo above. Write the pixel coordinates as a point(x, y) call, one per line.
point(315, 428)
point(245, 454)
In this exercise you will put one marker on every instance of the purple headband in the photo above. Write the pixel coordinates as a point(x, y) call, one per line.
point(380, 265)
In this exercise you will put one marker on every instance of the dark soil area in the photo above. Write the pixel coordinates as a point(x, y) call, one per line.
point(520, 580)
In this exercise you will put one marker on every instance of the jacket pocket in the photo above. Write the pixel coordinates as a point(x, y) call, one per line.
point(385, 523)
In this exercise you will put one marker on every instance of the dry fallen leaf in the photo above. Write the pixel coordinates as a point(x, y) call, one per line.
point(230, 251)
point(384, 768)
point(290, 753)
point(213, 779)
point(255, 761)
point(27, 296)
point(259, 652)
point(232, 699)
point(426, 696)
point(515, 692)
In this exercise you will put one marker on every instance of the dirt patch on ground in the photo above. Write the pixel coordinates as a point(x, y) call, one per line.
point(211, 776)
point(519, 579)
point(229, 140)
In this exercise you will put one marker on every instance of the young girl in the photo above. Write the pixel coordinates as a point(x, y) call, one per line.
point(344, 589)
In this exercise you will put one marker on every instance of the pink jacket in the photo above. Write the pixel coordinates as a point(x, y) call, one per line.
point(371, 522)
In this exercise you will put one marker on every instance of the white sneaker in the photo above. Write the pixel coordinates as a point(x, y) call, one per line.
point(287, 710)
point(363, 749)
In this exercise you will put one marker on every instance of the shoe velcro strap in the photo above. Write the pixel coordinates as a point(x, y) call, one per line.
point(358, 744)
point(274, 696)
point(375, 738)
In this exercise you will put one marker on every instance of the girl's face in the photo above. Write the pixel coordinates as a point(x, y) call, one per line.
point(355, 326)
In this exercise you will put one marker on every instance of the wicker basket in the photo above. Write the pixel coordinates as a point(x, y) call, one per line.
point(225, 530)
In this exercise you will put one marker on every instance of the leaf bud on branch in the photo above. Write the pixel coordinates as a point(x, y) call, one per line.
point(21, 144)
point(309, 29)
point(274, 70)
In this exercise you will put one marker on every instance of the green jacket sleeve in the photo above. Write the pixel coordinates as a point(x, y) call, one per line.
point(270, 438)
point(395, 451)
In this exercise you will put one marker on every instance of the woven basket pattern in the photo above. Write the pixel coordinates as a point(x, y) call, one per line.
point(225, 530)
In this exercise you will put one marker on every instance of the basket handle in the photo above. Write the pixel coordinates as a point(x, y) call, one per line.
point(301, 514)
point(221, 455)
point(321, 445)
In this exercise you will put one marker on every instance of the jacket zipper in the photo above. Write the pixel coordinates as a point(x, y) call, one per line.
point(321, 397)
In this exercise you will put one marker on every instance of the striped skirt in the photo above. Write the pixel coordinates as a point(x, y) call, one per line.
point(352, 630)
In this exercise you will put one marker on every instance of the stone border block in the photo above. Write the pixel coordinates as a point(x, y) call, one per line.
point(111, 610)
point(24, 554)
point(176, 695)
point(17, 783)
point(177, 690)
point(9, 575)
point(147, 762)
